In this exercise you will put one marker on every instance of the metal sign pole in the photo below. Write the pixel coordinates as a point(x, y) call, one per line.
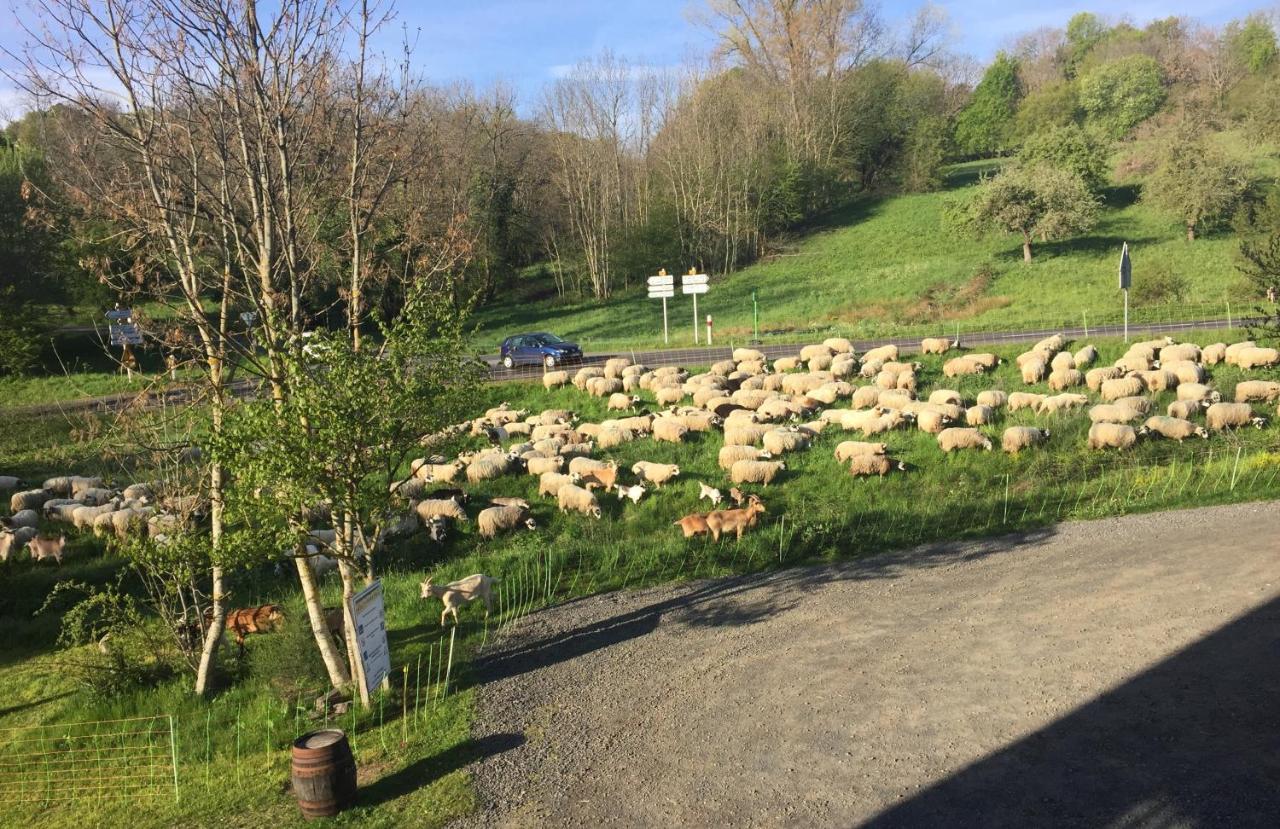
point(666, 338)
point(755, 315)
point(1126, 279)
point(695, 319)
point(1126, 315)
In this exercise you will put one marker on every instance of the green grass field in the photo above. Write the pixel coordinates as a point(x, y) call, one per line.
point(884, 267)
point(233, 751)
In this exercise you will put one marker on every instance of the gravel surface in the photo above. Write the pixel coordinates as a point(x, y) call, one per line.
point(1119, 672)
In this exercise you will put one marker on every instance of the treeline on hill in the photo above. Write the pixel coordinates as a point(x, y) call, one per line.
point(620, 169)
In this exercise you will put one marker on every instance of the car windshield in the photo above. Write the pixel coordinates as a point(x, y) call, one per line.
point(545, 339)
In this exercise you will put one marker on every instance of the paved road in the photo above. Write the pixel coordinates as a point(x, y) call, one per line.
point(1120, 673)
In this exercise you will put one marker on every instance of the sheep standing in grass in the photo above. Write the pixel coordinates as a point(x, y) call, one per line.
point(489, 466)
point(494, 520)
point(1186, 372)
point(756, 472)
point(958, 437)
point(1223, 416)
point(1186, 409)
point(1213, 354)
point(1122, 387)
point(549, 483)
point(1197, 392)
point(979, 415)
point(1113, 436)
point(1251, 358)
point(1112, 413)
point(1025, 400)
point(1175, 428)
point(29, 499)
point(1061, 403)
point(1085, 357)
point(9, 483)
point(865, 397)
point(576, 499)
point(620, 402)
point(1094, 378)
point(614, 437)
point(21, 518)
point(862, 466)
point(935, 345)
point(961, 366)
point(995, 398)
point(439, 508)
point(848, 449)
point(1017, 438)
point(745, 434)
point(728, 455)
point(655, 473)
point(537, 466)
point(781, 441)
point(932, 422)
point(555, 379)
point(670, 430)
point(1065, 378)
point(1231, 352)
point(1266, 391)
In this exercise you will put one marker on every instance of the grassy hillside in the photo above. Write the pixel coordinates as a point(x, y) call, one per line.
point(885, 266)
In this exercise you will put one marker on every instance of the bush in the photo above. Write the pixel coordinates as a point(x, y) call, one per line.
point(1160, 286)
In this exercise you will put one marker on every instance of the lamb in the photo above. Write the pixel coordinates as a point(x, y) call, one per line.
point(935, 345)
point(28, 499)
point(725, 521)
point(498, 519)
point(1122, 387)
point(1061, 379)
point(1114, 436)
point(756, 472)
point(693, 524)
point(995, 398)
point(1112, 413)
point(1175, 428)
point(879, 465)
point(1223, 416)
point(13, 540)
point(1266, 391)
point(43, 548)
point(781, 441)
point(655, 473)
point(1017, 438)
point(1061, 403)
point(439, 508)
point(963, 438)
point(576, 499)
point(1250, 358)
point(729, 454)
point(549, 483)
point(635, 492)
point(537, 466)
point(849, 449)
point(1094, 378)
point(710, 493)
point(460, 592)
point(1025, 400)
point(1186, 409)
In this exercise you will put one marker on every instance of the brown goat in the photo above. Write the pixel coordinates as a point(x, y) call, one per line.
point(735, 520)
point(693, 524)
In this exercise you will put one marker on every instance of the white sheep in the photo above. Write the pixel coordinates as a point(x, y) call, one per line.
point(1024, 400)
point(1222, 416)
point(28, 499)
point(995, 398)
point(882, 353)
point(1175, 428)
point(1197, 392)
point(9, 482)
point(1112, 413)
point(729, 455)
point(932, 421)
point(1017, 438)
point(1113, 436)
point(935, 345)
point(1085, 356)
point(537, 466)
point(781, 441)
point(979, 415)
point(576, 499)
point(745, 434)
point(494, 520)
point(946, 396)
point(1122, 387)
point(1061, 403)
point(655, 473)
point(961, 366)
point(549, 483)
point(1230, 353)
point(1034, 371)
point(1250, 358)
point(439, 508)
point(1186, 409)
point(865, 397)
point(1213, 354)
point(555, 379)
point(744, 354)
point(848, 449)
point(756, 472)
point(1094, 378)
point(880, 465)
point(957, 437)
point(1267, 391)
point(1065, 378)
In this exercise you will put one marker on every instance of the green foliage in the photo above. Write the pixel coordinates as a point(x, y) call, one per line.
point(985, 126)
point(1194, 181)
point(1159, 285)
point(1084, 31)
point(1054, 105)
point(1123, 93)
point(1070, 148)
point(1252, 44)
point(896, 135)
point(1034, 200)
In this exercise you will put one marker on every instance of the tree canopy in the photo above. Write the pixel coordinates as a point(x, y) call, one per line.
point(985, 126)
point(1032, 201)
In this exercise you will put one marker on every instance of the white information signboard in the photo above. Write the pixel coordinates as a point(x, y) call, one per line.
point(694, 283)
point(371, 635)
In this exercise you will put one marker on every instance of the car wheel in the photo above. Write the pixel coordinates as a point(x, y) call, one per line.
point(549, 362)
point(508, 362)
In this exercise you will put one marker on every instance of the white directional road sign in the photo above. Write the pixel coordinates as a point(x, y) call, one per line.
point(125, 334)
point(661, 293)
point(694, 289)
point(694, 279)
point(655, 281)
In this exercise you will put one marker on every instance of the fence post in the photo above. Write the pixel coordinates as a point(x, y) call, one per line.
point(1235, 467)
point(173, 755)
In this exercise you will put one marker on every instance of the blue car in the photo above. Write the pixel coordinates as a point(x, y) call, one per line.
point(538, 349)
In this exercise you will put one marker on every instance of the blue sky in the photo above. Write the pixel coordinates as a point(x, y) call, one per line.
point(525, 43)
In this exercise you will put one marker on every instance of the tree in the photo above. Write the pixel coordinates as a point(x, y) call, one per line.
point(29, 266)
point(1052, 105)
point(1070, 148)
point(1031, 201)
point(1123, 93)
point(985, 126)
point(1252, 43)
point(1195, 181)
point(1084, 32)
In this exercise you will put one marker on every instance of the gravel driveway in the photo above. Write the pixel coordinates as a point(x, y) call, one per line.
point(1119, 672)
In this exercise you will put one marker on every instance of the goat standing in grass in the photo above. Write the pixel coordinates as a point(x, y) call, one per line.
point(460, 592)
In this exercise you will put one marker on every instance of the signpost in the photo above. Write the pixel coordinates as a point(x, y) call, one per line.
point(1126, 279)
point(368, 614)
point(663, 287)
point(123, 332)
point(755, 318)
point(694, 283)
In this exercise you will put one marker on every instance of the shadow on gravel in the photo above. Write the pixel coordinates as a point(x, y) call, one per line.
point(413, 777)
point(1193, 741)
point(735, 602)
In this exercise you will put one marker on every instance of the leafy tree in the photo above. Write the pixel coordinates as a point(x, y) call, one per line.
point(29, 254)
point(1055, 105)
point(1252, 44)
point(1121, 94)
point(1032, 201)
point(985, 126)
point(893, 124)
point(1194, 181)
point(1070, 148)
point(1084, 31)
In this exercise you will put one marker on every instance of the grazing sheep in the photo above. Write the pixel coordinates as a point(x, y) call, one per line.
point(932, 421)
point(1213, 354)
point(1065, 378)
point(979, 415)
point(1141, 405)
point(1025, 400)
point(439, 508)
point(896, 399)
point(28, 499)
point(961, 366)
point(622, 402)
point(443, 473)
point(1266, 391)
point(1221, 416)
point(1122, 387)
point(655, 473)
point(576, 499)
point(849, 449)
point(600, 477)
point(21, 518)
point(577, 450)
point(537, 466)
point(734, 520)
point(549, 483)
point(43, 548)
point(1181, 351)
point(582, 465)
point(838, 345)
point(9, 482)
point(1062, 361)
point(1175, 428)
point(1061, 403)
point(1017, 438)
point(935, 345)
point(865, 397)
point(710, 493)
point(615, 437)
point(882, 353)
point(498, 519)
point(489, 466)
point(1186, 372)
point(1158, 380)
point(781, 441)
point(1197, 392)
point(82, 517)
point(693, 524)
point(1112, 413)
point(1085, 357)
point(808, 352)
point(890, 420)
point(741, 355)
point(669, 429)
point(880, 465)
point(1186, 409)
point(786, 364)
point(995, 398)
point(698, 421)
point(13, 540)
point(635, 492)
point(1094, 378)
point(728, 455)
point(986, 360)
point(1114, 435)
point(1233, 351)
point(756, 472)
point(949, 440)
point(946, 396)
point(1034, 371)
point(744, 434)
point(555, 379)
point(669, 395)
point(460, 592)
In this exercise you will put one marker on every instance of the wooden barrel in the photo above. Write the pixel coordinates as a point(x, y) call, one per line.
point(324, 773)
